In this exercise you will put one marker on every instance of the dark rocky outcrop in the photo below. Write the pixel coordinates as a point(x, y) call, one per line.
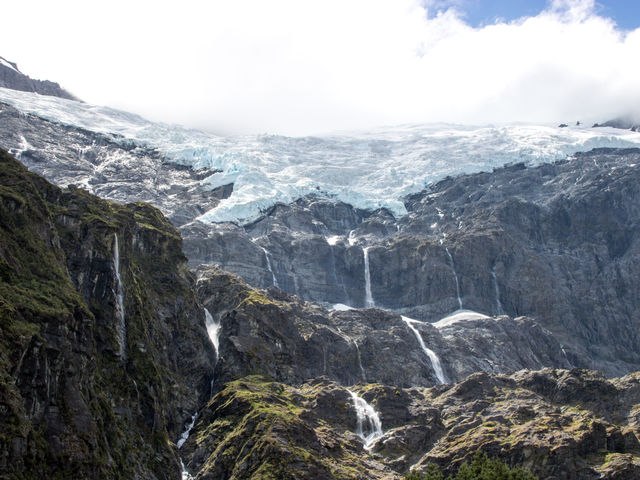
point(84, 392)
point(11, 77)
point(76, 404)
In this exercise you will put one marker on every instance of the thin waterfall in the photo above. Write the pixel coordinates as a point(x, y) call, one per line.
point(213, 330)
point(368, 426)
point(185, 475)
point(368, 298)
point(435, 360)
point(273, 275)
point(499, 308)
point(453, 268)
point(364, 375)
point(122, 324)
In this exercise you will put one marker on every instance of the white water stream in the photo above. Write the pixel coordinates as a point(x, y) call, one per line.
point(122, 324)
point(456, 277)
point(368, 426)
point(435, 360)
point(274, 280)
point(499, 308)
point(368, 298)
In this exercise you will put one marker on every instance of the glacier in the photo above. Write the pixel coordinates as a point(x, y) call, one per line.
point(367, 169)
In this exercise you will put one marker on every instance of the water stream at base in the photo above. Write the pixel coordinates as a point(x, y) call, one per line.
point(213, 330)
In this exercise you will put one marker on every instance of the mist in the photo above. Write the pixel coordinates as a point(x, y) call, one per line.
point(300, 68)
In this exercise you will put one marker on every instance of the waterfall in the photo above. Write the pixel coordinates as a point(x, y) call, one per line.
point(184, 474)
point(435, 361)
point(213, 330)
point(183, 438)
point(122, 325)
point(273, 275)
point(187, 431)
point(499, 308)
point(364, 375)
point(456, 277)
point(368, 299)
point(368, 426)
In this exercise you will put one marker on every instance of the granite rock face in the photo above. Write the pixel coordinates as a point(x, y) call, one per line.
point(11, 77)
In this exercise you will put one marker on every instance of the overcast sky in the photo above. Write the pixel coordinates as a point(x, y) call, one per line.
point(300, 67)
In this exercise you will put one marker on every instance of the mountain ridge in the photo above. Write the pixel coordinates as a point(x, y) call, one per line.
point(11, 77)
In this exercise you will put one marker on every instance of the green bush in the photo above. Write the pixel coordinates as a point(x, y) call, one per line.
point(481, 468)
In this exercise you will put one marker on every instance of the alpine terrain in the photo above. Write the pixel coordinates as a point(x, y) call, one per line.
point(362, 305)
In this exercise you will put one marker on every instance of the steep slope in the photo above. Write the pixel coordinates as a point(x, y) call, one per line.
point(103, 349)
point(11, 77)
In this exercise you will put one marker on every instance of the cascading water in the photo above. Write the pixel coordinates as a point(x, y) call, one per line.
point(122, 325)
point(435, 360)
point(364, 375)
point(368, 426)
point(274, 280)
point(453, 268)
point(185, 475)
point(213, 330)
point(368, 298)
point(499, 308)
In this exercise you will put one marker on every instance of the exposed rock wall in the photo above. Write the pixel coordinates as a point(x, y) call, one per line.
point(78, 400)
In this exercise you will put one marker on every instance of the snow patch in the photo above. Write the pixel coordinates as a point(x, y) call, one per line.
point(459, 316)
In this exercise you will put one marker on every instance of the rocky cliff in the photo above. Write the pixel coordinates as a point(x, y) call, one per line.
point(103, 348)
point(11, 77)
point(559, 243)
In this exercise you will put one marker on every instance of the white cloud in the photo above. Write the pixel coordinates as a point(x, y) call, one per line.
point(298, 67)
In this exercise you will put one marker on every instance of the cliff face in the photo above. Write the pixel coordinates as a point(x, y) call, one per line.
point(103, 350)
point(11, 77)
point(559, 243)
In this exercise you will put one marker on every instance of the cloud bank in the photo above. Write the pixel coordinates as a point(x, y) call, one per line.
point(302, 67)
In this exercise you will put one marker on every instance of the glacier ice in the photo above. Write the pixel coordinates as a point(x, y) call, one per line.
point(369, 170)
